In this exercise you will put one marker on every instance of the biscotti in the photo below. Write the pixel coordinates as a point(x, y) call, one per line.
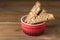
point(33, 13)
point(37, 15)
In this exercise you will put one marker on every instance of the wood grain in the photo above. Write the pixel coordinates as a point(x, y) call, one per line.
point(12, 11)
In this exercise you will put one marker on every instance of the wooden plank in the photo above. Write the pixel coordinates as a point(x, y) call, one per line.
point(4, 4)
point(14, 10)
point(14, 16)
point(13, 31)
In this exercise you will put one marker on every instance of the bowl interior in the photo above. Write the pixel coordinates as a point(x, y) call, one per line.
point(23, 18)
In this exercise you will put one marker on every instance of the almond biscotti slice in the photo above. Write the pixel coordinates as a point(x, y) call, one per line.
point(33, 13)
point(43, 16)
point(36, 8)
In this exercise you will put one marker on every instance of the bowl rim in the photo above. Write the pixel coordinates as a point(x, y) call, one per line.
point(31, 24)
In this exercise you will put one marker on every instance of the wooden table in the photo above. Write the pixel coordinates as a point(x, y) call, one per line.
point(12, 11)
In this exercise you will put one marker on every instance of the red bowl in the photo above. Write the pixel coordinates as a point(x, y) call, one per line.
point(32, 29)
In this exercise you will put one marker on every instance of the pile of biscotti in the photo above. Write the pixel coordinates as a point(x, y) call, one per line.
point(37, 15)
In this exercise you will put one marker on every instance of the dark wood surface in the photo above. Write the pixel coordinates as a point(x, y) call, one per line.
point(12, 11)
